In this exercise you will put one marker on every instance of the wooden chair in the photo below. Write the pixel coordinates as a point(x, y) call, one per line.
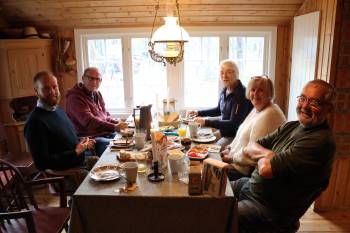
point(22, 160)
point(70, 174)
point(19, 211)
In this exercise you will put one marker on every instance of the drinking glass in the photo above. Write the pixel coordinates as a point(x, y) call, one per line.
point(141, 159)
point(182, 131)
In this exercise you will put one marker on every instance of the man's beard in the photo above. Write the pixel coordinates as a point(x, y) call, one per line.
point(51, 103)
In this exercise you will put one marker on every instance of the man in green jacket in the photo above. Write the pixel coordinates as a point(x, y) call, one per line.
point(294, 165)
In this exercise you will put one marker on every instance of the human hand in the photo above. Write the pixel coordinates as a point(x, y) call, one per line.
point(121, 125)
point(90, 143)
point(226, 159)
point(225, 152)
point(200, 120)
point(84, 144)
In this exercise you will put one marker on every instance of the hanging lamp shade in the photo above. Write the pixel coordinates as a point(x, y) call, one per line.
point(167, 42)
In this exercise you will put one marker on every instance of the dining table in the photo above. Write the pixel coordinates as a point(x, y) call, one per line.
point(161, 207)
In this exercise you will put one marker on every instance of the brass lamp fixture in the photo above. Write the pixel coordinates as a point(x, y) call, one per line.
point(167, 42)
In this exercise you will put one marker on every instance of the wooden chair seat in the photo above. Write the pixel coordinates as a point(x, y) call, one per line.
point(46, 220)
point(19, 211)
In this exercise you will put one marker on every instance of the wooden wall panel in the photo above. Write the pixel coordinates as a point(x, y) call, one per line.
point(338, 191)
point(282, 72)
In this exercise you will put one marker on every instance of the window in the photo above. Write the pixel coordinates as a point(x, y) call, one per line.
point(106, 55)
point(131, 77)
point(248, 53)
point(201, 72)
point(149, 77)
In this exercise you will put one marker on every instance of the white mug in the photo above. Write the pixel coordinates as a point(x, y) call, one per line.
point(129, 170)
point(193, 126)
point(140, 139)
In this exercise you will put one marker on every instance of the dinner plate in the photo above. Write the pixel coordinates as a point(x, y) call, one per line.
point(197, 153)
point(105, 173)
point(121, 145)
point(204, 139)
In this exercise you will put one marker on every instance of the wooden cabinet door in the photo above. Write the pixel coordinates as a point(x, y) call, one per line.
point(23, 64)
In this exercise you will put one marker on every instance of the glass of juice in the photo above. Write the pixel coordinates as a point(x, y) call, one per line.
point(182, 131)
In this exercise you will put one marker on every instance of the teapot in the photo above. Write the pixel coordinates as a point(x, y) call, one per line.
point(143, 118)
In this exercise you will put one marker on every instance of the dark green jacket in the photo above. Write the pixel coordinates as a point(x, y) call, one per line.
point(302, 165)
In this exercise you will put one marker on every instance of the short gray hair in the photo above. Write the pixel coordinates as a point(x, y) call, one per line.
point(261, 79)
point(232, 64)
point(87, 70)
point(330, 94)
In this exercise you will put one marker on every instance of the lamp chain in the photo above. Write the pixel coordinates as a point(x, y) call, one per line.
point(178, 13)
point(154, 20)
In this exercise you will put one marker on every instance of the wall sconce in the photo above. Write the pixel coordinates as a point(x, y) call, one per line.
point(167, 42)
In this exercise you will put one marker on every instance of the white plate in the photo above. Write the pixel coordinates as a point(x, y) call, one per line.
point(105, 173)
point(205, 139)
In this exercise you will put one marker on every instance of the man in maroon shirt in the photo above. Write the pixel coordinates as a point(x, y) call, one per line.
point(86, 109)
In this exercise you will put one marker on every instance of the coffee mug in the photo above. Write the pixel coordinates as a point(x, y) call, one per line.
point(140, 139)
point(193, 126)
point(129, 171)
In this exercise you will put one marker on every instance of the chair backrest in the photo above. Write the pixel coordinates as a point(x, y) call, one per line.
point(3, 142)
point(15, 195)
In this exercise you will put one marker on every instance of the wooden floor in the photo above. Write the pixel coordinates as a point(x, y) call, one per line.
point(326, 222)
point(311, 222)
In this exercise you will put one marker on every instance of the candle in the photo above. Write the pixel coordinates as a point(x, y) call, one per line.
point(154, 148)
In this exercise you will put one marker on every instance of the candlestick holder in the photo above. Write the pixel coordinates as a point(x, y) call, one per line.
point(156, 176)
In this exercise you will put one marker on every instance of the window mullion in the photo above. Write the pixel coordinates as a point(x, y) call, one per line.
point(127, 66)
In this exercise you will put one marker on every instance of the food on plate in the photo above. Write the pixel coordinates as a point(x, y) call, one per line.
point(167, 128)
point(121, 141)
point(174, 116)
point(198, 152)
point(173, 138)
point(127, 132)
point(125, 156)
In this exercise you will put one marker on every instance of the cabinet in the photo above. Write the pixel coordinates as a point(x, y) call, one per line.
point(20, 61)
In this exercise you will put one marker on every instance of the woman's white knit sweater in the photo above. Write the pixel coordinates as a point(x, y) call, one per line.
point(256, 125)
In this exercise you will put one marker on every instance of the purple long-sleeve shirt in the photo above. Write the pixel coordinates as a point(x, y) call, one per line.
point(87, 113)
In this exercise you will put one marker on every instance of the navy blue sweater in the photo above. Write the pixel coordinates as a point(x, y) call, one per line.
point(233, 109)
point(52, 140)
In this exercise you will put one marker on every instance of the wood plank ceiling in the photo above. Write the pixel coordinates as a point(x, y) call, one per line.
point(127, 13)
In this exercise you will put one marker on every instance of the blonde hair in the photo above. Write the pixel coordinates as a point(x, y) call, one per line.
point(261, 79)
point(232, 65)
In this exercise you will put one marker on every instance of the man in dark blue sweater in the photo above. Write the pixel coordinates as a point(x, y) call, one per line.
point(233, 106)
point(50, 134)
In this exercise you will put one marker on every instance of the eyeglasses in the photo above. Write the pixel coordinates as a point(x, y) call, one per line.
point(311, 101)
point(90, 78)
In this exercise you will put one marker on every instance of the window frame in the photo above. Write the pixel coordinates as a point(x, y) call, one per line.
point(173, 72)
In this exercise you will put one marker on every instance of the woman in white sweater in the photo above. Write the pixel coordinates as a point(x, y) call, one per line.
point(264, 118)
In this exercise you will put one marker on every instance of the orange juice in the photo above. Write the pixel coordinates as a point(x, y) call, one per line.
point(182, 132)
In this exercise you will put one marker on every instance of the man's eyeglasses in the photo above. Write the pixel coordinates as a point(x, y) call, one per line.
point(90, 78)
point(311, 101)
